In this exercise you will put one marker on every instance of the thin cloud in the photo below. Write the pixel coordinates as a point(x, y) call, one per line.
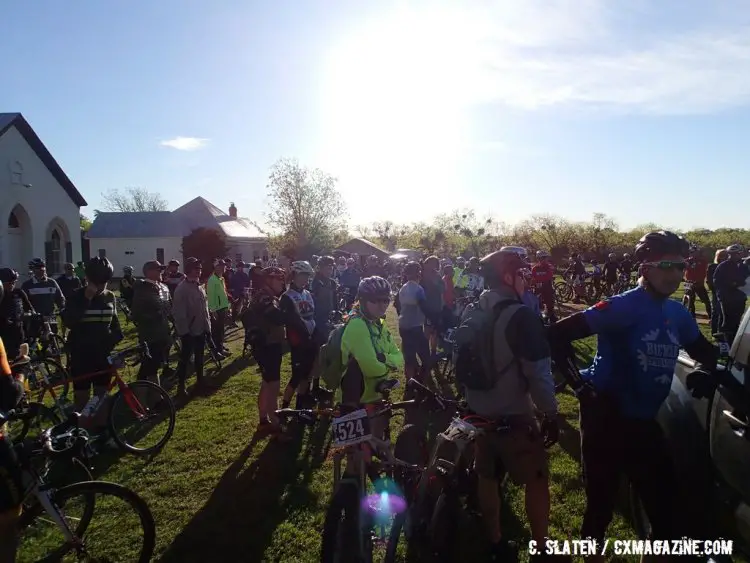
point(185, 143)
point(597, 54)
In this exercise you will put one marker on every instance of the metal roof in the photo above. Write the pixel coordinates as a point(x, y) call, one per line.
point(136, 225)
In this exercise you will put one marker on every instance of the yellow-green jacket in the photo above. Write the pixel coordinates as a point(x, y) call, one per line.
point(217, 293)
point(363, 340)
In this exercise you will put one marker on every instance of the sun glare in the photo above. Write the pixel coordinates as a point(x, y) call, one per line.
point(394, 106)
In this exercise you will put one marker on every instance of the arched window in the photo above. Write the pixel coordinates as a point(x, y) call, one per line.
point(54, 253)
point(13, 221)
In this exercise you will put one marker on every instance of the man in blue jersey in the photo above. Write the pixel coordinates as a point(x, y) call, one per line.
point(640, 334)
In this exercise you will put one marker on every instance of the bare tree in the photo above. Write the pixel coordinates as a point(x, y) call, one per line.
point(133, 199)
point(304, 205)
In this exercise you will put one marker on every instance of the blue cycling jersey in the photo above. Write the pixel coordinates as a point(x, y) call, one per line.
point(639, 339)
point(532, 302)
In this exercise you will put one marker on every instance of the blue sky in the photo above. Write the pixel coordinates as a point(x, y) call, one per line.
point(635, 109)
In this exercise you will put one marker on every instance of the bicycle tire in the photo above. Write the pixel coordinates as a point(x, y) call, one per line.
point(93, 488)
point(443, 526)
point(341, 541)
point(120, 398)
point(56, 373)
point(36, 412)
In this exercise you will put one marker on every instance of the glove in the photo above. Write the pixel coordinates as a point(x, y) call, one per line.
point(701, 383)
point(550, 431)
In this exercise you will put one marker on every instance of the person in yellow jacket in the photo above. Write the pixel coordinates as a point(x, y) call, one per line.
point(458, 270)
point(218, 306)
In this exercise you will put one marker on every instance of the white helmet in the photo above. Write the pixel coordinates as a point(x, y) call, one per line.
point(302, 267)
point(612, 256)
point(542, 254)
point(735, 249)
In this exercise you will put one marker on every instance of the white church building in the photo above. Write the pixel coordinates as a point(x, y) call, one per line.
point(39, 205)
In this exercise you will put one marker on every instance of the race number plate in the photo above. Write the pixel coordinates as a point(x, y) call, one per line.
point(460, 432)
point(351, 429)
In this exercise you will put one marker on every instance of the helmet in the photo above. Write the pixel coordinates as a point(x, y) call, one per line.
point(412, 268)
point(324, 261)
point(192, 264)
point(228, 261)
point(373, 287)
point(460, 261)
point(8, 275)
point(127, 269)
point(99, 270)
point(349, 261)
point(694, 248)
point(542, 254)
point(446, 262)
point(301, 267)
point(518, 250)
point(612, 256)
point(273, 273)
point(174, 262)
point(660, 243)
point(474, 260)
point(501, 262)
point(735, 249)
point(626, 256)
point(37, 263)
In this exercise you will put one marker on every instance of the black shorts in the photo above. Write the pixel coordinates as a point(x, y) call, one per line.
point(269, 361)
point(303, 361)
point(11, 488)
point(85, 362)
point(414, 343)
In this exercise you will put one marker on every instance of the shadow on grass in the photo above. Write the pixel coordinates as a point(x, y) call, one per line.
point(238, 521)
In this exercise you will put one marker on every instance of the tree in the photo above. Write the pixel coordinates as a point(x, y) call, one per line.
point(205, 245)
point(85, 223)
point(132, 200)
point(305, 208)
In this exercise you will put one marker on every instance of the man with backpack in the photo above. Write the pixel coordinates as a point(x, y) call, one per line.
point(503, 363)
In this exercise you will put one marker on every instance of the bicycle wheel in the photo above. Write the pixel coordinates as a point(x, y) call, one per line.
point(342, 536)
point(141, 417)
point(109, 523)
point(443, 526)
point(34, 419)
point(55, 373)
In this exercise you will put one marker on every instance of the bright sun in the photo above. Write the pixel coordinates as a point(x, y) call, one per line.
point(394, 106)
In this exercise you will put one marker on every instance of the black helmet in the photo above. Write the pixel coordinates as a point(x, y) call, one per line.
point(494, 266)
point(412, 268)
point(324, 261)
point(660, 243)
point(99, 270)
point(37, 263)
point(8, 275)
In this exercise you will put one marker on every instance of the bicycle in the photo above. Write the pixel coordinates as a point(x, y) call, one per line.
point(142, 401)
point(355, 521)
point(56, 523)
point(210, 356)
point(43, 338)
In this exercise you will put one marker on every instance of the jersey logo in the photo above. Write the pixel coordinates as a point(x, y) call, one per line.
point(601, 305)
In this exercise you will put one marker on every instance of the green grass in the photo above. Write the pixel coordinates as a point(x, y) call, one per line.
point(218, 493)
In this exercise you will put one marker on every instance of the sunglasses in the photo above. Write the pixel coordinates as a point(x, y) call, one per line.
point(667, 265)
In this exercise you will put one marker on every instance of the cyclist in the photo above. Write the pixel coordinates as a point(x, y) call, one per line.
point(68, 281)
point(609, 269)
point(729, 277)
point(596, 275)
point(13, 305)
point(697, 269)
point(43, 292)
point(11, 487)
point(240, 282)
point(323, 289)
point(576, 272)
point(716, 320)
point(127, 285)
point(173, 276)
point(80, 271)
point(433, 290)
point(458, 269)
point(543, 275)
point(218, 305)
point(369, 352)
point(412, 311)
point(94, 331)
point(640, 333)
point(627, 266)
point(521, 358)
point(268, 340)
point(192, 323)
point(151, 311)
point(299, 311)
point(449, 296)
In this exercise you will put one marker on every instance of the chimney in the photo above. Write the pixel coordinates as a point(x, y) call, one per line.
point(232, 211)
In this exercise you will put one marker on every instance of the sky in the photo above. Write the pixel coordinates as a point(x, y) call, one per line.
point(637, 109)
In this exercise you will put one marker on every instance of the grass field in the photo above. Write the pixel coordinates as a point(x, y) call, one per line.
point(220, 494)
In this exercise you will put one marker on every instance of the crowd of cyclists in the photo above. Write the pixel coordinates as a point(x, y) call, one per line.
point(498, 317)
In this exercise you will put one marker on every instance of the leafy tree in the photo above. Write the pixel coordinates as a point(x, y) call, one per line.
point(132, 200)
point(204, 244)
point(305, 210)
point(85, 222)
